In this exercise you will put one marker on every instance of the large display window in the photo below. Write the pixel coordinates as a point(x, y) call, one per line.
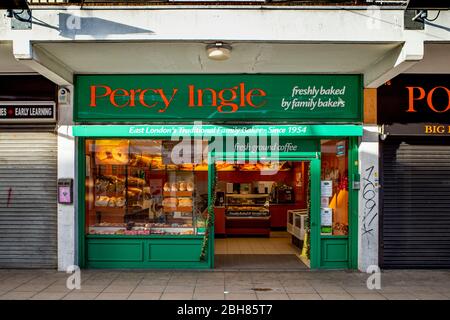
point(136, 188)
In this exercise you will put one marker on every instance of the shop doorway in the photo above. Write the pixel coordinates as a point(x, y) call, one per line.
point(262, 214)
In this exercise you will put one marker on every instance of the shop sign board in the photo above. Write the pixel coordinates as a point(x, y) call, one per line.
point(147, 131)
point(216, 98)
point(26, 111)
point(421, 99)
point(417, 129)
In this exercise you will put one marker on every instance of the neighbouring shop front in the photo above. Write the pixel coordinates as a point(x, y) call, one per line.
point(415, 171)
point(168, 162)
point(28, 172)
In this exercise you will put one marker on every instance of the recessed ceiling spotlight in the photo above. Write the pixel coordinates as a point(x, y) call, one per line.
point(218, 51)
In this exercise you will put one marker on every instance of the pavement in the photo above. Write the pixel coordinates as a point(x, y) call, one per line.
point(228, 285)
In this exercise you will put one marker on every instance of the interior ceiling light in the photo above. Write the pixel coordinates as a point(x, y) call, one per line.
point(218, 51)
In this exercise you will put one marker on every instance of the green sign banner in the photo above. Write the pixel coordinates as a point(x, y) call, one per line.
point(151, 131)
point(218, 98)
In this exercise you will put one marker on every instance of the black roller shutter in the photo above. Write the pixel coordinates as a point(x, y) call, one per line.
point(415, 221)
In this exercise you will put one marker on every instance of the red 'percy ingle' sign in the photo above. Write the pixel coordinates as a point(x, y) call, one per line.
point(249, 98)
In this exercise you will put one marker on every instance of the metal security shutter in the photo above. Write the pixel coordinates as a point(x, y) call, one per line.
point(28, 206)
point(415, 230)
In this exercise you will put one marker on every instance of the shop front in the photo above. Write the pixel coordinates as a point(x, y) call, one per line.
point(415, 171)
point(28, 172)
point(167, 162)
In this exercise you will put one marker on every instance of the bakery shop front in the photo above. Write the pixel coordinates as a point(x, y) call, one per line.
point(188, 171)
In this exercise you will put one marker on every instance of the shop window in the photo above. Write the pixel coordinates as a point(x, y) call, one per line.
point(334, 187)
point(136, 187)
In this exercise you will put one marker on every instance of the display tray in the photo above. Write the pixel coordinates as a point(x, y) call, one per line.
point(117, 231)
point(177, 193)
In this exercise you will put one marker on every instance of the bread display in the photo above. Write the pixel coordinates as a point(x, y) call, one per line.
point(166, 187)
point(101, 201)
point(134, 181)
point(185, 202)
point(109, 184)
point(186, 167)
point(170, 202)
point(201, 167)
point(112, 152)
point(224, 166)
point(126, 180)
point(105, 201)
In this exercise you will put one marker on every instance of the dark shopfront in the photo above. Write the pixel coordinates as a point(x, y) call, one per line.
point(139, 207)
point(415, 158)
point(28, 172)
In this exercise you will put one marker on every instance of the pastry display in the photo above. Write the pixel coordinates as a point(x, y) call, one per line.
point(113, 152)
point(104, 184)
point(134, 181)
point(101, 201)
point(201, 167)
point(140, 160)
point(170, 202)
point(171, 167)
point(124, 175)
point(224, 166)
point(166, 187)
point(185, 202)
point(105, 201)
point(186, 167)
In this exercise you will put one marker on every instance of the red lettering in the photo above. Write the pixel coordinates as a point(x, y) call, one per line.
point(258, 93)
point(228, 102)
point(430, 99)
point(116, 93)
point(142, 98)
point(94, 96)
point(191, 96)
point(166, 102)
point(242, 94)
point(133, 97)
point(411, 98)
point(213, 97)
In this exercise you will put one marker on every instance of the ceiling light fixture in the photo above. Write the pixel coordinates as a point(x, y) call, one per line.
point(218, 51)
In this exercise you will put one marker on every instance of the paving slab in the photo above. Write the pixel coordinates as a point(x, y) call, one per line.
point(304, 296)
point(18, 295)
point(144, 296)
point(112, 296)
point(49, 296)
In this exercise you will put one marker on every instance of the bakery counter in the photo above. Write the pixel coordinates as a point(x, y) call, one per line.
point(278, 214)
point(219, 220)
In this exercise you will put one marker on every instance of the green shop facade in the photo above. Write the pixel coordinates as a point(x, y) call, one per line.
point(122, 119)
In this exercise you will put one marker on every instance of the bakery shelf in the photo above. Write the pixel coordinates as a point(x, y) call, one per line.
point(107, 209)
point(179, 209)
point(177, 193)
